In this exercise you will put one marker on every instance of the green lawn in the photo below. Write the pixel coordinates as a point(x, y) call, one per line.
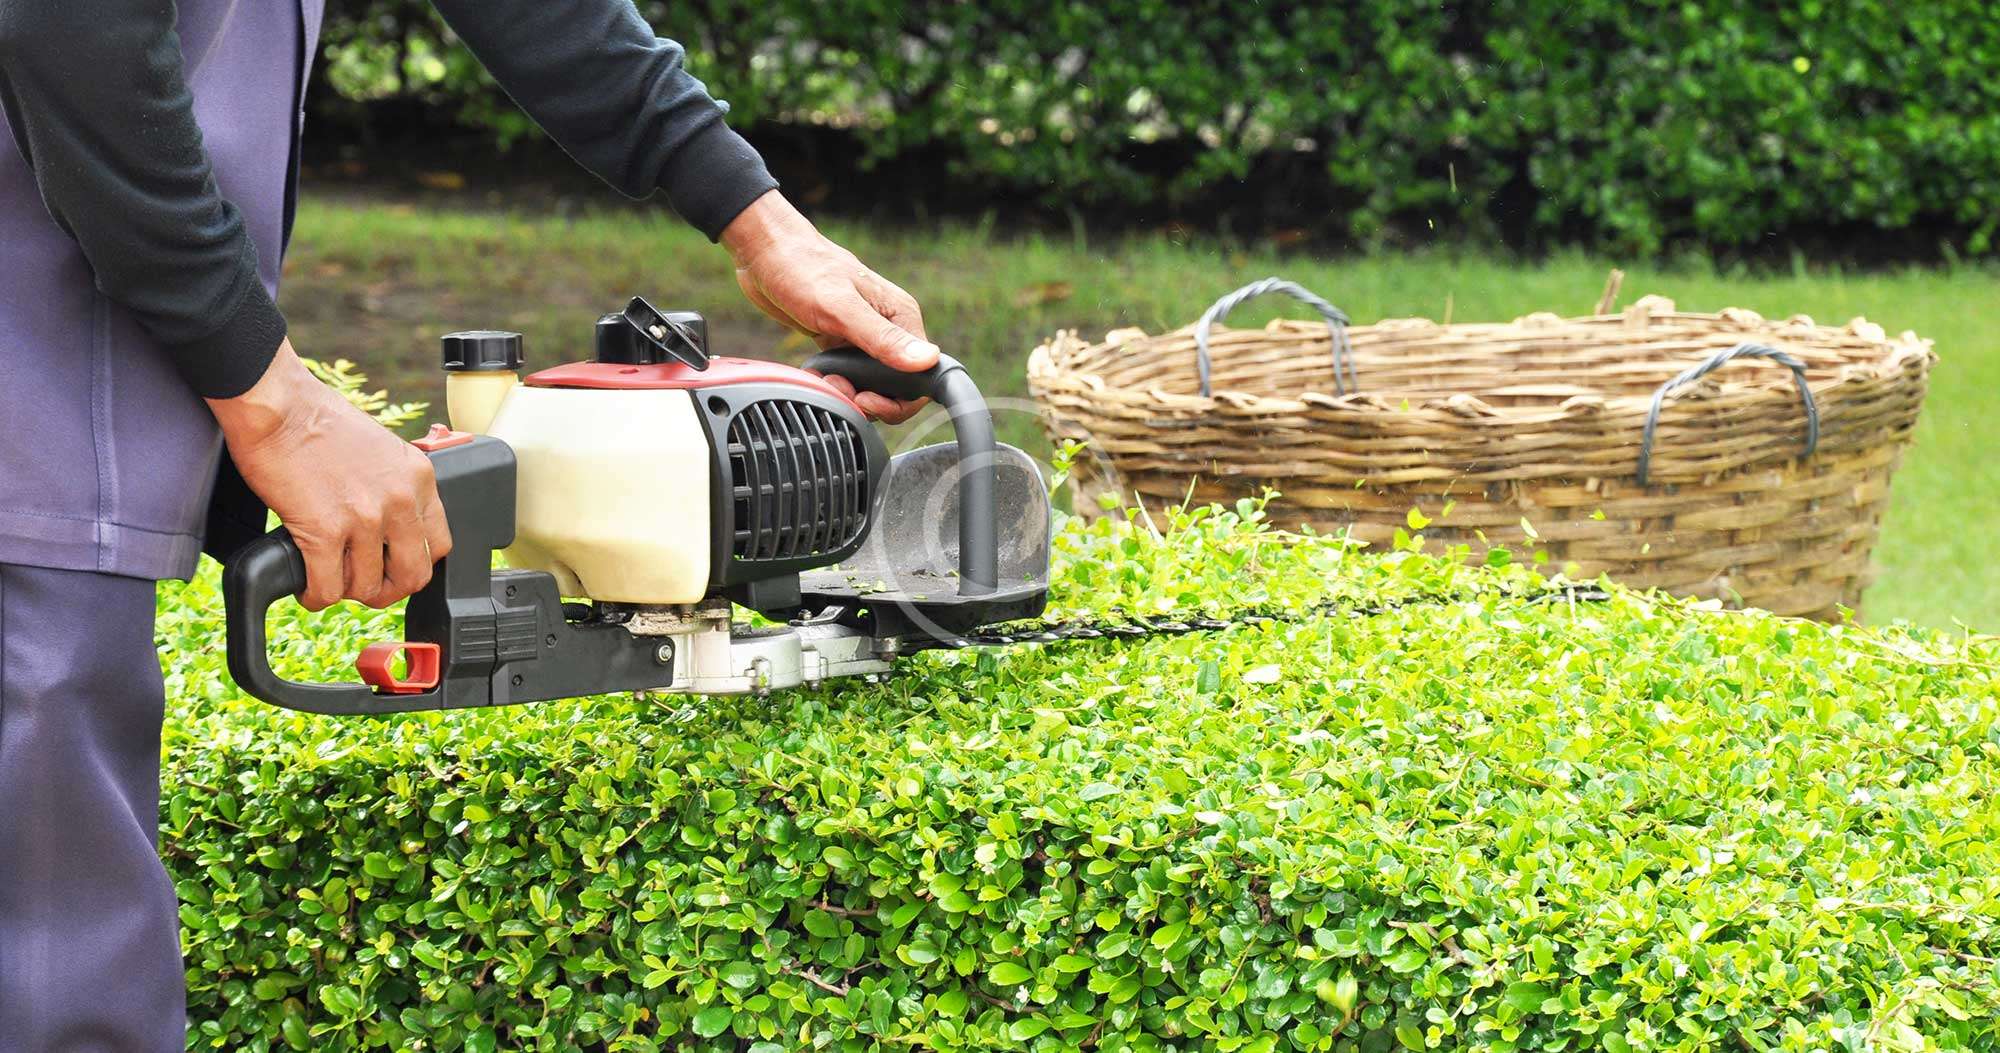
point(377, 283)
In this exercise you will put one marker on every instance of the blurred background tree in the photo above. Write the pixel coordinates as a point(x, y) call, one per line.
point(1631, 126)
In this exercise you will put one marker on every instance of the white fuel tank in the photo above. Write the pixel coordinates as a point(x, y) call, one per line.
point(613, 490)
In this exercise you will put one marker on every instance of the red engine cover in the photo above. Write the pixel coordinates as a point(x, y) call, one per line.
point(720, 371)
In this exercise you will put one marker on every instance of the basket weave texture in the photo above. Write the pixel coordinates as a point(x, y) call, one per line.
point(1538, 421)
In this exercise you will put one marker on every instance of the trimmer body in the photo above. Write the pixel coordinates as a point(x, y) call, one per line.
point(643, 498)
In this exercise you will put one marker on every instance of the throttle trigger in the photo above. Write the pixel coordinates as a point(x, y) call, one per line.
point(376, 663)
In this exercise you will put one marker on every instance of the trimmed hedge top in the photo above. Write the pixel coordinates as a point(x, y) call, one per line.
point(1484, 823)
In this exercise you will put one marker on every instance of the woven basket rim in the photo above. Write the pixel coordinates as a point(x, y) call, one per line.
point(1061, 362)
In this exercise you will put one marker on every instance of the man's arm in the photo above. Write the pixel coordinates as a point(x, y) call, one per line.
point(95, 93)
point(617, 97)
point(99, 105)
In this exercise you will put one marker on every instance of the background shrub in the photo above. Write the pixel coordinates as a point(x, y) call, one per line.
point(1633, 125)
point(1483, 823)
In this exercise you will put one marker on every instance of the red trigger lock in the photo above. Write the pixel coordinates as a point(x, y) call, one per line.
point(377, 659)
point(441, 437)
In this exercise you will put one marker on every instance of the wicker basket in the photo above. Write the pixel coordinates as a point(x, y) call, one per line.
point(1711, 455)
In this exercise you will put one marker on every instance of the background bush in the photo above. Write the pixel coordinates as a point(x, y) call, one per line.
point(1482, 823)
point(1633, 125)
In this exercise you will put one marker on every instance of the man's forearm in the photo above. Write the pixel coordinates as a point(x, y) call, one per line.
point(99, 104)
point(618, 98)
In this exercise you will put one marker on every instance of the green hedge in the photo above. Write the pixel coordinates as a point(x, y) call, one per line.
point(1482, 824)
point(1633, 125)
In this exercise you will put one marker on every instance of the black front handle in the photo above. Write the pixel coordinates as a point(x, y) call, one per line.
point(952, 387)
point(870, 374)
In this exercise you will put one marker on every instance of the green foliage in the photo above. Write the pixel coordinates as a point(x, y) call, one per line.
point(342, 377)
point(1633, 125)
point(1477, 824)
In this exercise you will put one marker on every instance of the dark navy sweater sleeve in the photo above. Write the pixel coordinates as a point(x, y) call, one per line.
point(98, 101)
point(618, 98)
point(99, 106)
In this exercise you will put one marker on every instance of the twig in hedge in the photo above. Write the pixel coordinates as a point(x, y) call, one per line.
point(997, 1003)
point(1883, 1017)
point(1921, 657)
point(1892, 747)
point(1451, 948)
point(813, 978)
point(845, 912)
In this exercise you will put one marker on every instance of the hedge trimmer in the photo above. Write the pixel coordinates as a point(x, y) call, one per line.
point(659, 488)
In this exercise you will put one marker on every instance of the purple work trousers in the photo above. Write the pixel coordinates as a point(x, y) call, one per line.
point(90, 954)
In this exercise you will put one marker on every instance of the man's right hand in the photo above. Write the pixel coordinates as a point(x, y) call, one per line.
point(361, 503)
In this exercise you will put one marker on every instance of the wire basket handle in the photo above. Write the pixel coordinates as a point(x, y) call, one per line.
point(1743, 350)
point(1336, 324)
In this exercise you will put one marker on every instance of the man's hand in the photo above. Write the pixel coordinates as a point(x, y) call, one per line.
point(361, 503)
point(794, 274)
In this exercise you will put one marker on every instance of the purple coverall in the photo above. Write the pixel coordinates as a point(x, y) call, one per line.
point(106, 464)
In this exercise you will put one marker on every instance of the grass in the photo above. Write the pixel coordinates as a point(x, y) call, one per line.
point(378, 283)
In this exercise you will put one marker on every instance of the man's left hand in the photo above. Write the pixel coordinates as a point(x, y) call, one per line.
point(794, 274)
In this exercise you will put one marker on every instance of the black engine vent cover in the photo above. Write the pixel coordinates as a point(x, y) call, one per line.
point(795, 478)
point(798, 480)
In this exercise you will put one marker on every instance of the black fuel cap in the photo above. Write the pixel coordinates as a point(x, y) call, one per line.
point(617, 342)
point(482, 351)
point(644, 335)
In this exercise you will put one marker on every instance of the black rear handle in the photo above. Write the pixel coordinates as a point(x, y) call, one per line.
point(261, 573)
point(952, 387)
point(487, 637)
